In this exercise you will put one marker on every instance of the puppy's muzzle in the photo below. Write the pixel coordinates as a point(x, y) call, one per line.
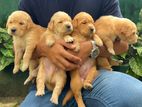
point(69, 27)
point(13, 30)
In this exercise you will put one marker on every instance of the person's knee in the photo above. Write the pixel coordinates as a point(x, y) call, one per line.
point(115, 89)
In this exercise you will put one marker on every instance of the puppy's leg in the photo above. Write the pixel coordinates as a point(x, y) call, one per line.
point(76, 86)
point(33, 69)
point(41, 78)
point(68, 96)
point(17, 60)
point(99, 42)
point(104, 63)
point(27, 56)
point(109, 44)
point(60, 80)
point(90, 77)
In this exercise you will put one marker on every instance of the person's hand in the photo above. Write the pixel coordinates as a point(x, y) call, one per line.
point(59, 55)
point(119, 48)
point(85, 50)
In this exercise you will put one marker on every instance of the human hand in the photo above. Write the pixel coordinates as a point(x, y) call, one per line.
point(119, 48)
point(59, 55)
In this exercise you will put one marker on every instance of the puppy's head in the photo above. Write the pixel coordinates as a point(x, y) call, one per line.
point(128, 31)
point(18, 23)
point(60, 23)
point(84, 24)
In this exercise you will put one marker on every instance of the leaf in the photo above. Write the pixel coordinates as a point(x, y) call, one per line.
point(139, 50)
point(7, 52)
point(136, 65)
point(5, 62)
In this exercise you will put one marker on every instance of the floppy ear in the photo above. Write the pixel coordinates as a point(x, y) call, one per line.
point(29, 23)
point(75, 23)
point(51, 25)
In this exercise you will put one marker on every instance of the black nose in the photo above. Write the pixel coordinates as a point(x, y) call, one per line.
point(68, 26)
point(91, 29)
point(13, 30)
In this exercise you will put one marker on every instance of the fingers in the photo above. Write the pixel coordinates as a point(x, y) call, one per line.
point(67, 65)
point(71, 57)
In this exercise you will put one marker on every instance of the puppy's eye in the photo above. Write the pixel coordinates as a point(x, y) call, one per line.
point(84, 22)
point(10, 22)
point(60, 22)
point(21, 23)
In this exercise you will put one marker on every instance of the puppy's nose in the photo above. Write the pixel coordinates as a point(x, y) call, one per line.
point(13, 30)
point(91, 30)
point(68, 26)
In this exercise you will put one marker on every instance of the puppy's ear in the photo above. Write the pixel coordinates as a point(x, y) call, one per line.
point(29, 22)
point(75, 23)
point(51, 25)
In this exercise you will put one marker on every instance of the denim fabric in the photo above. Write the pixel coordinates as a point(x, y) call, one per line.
point(110, 89)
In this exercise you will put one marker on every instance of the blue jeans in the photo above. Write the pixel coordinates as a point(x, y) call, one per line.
point(110, 89)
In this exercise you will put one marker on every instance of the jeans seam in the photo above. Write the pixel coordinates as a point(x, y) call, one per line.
point(99, 99)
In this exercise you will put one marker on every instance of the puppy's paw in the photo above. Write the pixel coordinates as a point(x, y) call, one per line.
point(40, 93)
point(111, 51)
point(87, 85)
point(68, 39)
point(16, 69)
point(50, 42)
point(77, 48)
point(54, 99)
point(24, 67)
point(99, 43)
point(27, 80)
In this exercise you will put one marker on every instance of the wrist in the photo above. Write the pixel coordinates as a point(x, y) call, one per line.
point(95, 50)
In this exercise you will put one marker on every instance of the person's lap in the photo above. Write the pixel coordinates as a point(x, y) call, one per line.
point(110, 89)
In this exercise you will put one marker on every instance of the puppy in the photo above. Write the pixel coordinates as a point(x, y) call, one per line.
point(110, 28)
point(25, 37)
point(54, 78)
point(84, 30)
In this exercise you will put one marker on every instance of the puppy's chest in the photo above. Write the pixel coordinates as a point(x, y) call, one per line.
point(19, 42)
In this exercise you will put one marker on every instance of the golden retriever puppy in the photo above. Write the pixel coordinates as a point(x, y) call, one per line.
point(110, 28)
point(25, 37)
point(84, 30)
point(54, 78)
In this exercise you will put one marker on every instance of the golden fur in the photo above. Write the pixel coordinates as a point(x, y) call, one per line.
point(110, 28)
point(54, 78)
point(25, 38)
point(84, 30)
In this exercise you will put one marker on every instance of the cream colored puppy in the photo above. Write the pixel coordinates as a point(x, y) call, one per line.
point(25, 38)
point(54, 78)
point(110, 28)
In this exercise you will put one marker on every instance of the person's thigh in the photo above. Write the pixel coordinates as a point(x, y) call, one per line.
point(40, 101)
point(114, 89)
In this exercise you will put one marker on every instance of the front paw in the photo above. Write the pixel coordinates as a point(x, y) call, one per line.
point(24, 67)
point(68, 39)
point(16, 69)
point(111, 51)
point(40, 93)
point(50, 42)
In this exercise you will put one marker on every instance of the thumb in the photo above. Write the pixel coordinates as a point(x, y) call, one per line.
point(70, 46)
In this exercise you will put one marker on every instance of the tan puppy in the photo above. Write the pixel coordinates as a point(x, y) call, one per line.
point(110, 28)
point(84, 30)
point(54, 78)
point(25, 37)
